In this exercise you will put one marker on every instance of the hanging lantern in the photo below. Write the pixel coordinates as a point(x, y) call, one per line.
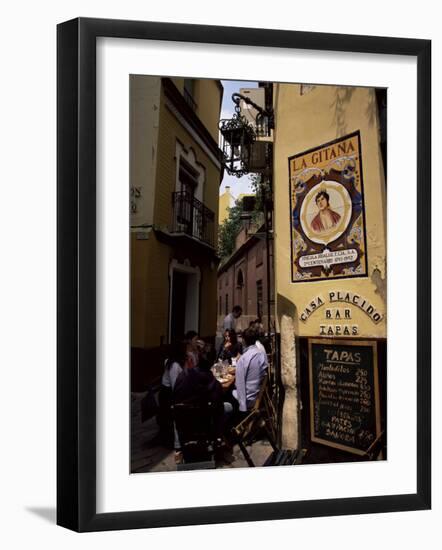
point(238, 137)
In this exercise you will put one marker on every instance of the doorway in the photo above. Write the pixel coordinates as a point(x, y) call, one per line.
point(184, 300)
point(179, 295)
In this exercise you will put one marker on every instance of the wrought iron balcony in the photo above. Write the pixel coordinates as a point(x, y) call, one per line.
point(191, 217)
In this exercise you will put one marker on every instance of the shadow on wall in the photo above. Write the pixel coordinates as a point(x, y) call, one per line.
point(340, 104)
point(380, 284)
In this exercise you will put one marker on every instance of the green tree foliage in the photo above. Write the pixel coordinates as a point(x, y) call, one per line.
point(231, 226)
point(261, 188)
point(228, 231)
point(255, 184)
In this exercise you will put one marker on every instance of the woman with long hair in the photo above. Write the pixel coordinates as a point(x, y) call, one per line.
point(230, 347)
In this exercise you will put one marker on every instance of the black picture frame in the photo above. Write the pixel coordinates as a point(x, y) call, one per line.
point(76, 272)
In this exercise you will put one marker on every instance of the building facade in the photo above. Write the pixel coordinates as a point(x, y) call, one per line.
point(243, 279)
point(226, 201)
point(175, 175)
point(330, 253)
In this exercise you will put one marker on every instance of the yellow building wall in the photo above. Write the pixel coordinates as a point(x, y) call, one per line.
point(304, 122)
point(151, 259)
point(208, 95)
point(139, 252)
point(150, 291)
point(226, 201)
point(169, 132)
point(144, 110)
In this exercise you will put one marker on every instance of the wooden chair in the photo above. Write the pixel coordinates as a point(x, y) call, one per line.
point(260, 419)
point(285, 457)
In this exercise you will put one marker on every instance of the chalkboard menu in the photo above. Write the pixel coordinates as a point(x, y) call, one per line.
point(344, 394)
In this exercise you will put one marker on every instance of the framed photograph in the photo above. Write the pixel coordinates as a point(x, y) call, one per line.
point(243, 274)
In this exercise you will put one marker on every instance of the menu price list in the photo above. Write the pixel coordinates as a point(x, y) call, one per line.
point(344, 394)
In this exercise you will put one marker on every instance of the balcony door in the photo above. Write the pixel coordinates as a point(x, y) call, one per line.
point(188, 183)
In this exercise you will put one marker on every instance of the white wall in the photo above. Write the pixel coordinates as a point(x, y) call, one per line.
point(27, 286)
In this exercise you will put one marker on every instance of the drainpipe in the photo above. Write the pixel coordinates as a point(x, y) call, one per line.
point(267, 226)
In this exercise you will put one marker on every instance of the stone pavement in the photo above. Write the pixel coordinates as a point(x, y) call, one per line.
point(149, 455)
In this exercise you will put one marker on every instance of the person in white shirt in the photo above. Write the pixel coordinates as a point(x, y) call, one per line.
point(230, 320)
point(251, 368)
point(257, 326)
point(177, 361)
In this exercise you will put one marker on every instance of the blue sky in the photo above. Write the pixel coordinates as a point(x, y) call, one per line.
point(237, 185)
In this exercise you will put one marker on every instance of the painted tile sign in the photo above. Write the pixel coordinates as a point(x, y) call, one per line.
point(327, 211)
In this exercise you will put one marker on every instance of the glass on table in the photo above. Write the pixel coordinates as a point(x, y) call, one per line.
point(217, 369)
point(224, 368)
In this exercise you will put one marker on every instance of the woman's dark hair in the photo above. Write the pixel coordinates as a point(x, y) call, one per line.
point(177, 354)
point(232, 336)
point(323, 194)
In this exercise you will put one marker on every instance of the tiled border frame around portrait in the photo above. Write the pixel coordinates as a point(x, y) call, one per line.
point(77, 252)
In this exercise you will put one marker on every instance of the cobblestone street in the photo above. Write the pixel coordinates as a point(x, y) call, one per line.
point(149, 455)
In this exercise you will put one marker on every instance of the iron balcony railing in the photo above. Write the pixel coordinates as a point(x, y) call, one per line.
point(192, 217)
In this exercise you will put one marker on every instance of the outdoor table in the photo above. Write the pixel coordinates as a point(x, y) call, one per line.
point(227, 379)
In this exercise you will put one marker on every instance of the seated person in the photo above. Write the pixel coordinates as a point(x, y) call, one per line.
point(230, 348)
point(250, 371)
point(173, 366)
point(191, 338)
point(209, 352)
point(199, 386)
point(257, 327)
